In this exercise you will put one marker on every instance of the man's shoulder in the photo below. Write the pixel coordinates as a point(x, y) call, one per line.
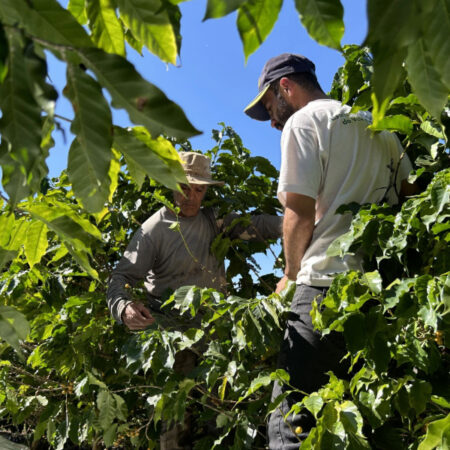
point(156, 220)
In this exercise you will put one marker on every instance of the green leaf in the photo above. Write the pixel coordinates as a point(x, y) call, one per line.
point(432, 129)
point(435, 434)
point(20, 123)
point(374, 281)
point(106, 28)
point(106, 405)
point(424, 79)
point(220, 8)
point(6, 256)
point(4, 50)
point(323, 19)
point(255, 21)
point(44, 94)
point(392, 27)
point(135, 171)
point(436, 25)
point(78, 10)
point(351, 418)
point(150, 23)
point(74, 231)
point(90, 153)
point(18, 235)
point(399, 122)
point(355, 332)
point(420, 394)
point(109, 436)
point(14, 326)
point(441, 401)
point(49, 21)
point(7, 222)
point(36, 242)
point(313, 404)
point(145, 156)
point(144, 102)
point(262, 380)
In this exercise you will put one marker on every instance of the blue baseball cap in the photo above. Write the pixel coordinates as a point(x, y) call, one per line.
point(274, 69)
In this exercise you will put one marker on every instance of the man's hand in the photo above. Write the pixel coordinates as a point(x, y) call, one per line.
point(281, 284)
point(136, 316)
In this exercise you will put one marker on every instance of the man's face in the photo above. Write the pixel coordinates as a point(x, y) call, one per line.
point(190, 203)
point(278, 107)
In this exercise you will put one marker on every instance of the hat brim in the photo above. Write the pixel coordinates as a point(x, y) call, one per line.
point(202, 180)
point(256, 109)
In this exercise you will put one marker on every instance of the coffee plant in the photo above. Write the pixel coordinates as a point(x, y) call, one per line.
point(72, 378)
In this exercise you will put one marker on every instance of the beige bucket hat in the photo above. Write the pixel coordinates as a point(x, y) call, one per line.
point(197, 168)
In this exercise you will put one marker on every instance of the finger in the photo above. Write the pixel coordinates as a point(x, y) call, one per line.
point(139, 321)
point(145, 312)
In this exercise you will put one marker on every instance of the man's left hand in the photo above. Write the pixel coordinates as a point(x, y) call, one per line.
point(281, 285)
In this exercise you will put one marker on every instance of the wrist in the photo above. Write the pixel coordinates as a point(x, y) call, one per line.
point(290, 275)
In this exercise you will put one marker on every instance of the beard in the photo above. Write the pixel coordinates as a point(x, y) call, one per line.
point(284, 110)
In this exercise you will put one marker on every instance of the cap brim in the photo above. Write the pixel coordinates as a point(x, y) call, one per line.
point(201, 180)
point(256, 109)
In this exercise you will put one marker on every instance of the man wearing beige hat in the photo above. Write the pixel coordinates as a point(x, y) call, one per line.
point(166, 259)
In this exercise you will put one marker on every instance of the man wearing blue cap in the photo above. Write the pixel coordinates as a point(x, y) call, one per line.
point(328, 158)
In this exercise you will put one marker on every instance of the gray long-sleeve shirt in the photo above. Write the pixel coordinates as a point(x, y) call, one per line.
point(164, 259)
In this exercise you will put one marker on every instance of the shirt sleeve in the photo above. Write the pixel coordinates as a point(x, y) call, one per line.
point(301, 170)
point(261, 227)
point(135, 264)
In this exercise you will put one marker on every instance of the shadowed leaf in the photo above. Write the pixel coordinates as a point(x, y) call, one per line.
point(90, 153)
point(145, 103)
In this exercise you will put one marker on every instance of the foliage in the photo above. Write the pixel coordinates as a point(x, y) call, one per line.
point(77, 378)
point(395, 315)
point(70, 377)
point(406, 39)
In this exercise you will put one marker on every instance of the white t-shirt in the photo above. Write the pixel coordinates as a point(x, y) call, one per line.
point(330, 155)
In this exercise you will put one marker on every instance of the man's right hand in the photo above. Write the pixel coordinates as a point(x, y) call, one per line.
point(136, 316)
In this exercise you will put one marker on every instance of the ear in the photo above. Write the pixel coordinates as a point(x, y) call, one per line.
point(286, 86)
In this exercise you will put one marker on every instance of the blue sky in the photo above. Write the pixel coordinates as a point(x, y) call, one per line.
point(212, 82)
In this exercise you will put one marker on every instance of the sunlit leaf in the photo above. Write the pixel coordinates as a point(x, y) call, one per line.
point(435, 433)
point(36, 242)
point(144, 157)
point(106, 29)
point(150, 23)
point(323, 19)
point(78, 10)
point(313, 404)
point(255, 21)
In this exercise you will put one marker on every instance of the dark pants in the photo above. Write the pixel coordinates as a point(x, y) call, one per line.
point(306, 357)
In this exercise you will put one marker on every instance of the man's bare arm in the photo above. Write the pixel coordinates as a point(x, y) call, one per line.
point(298, 227)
